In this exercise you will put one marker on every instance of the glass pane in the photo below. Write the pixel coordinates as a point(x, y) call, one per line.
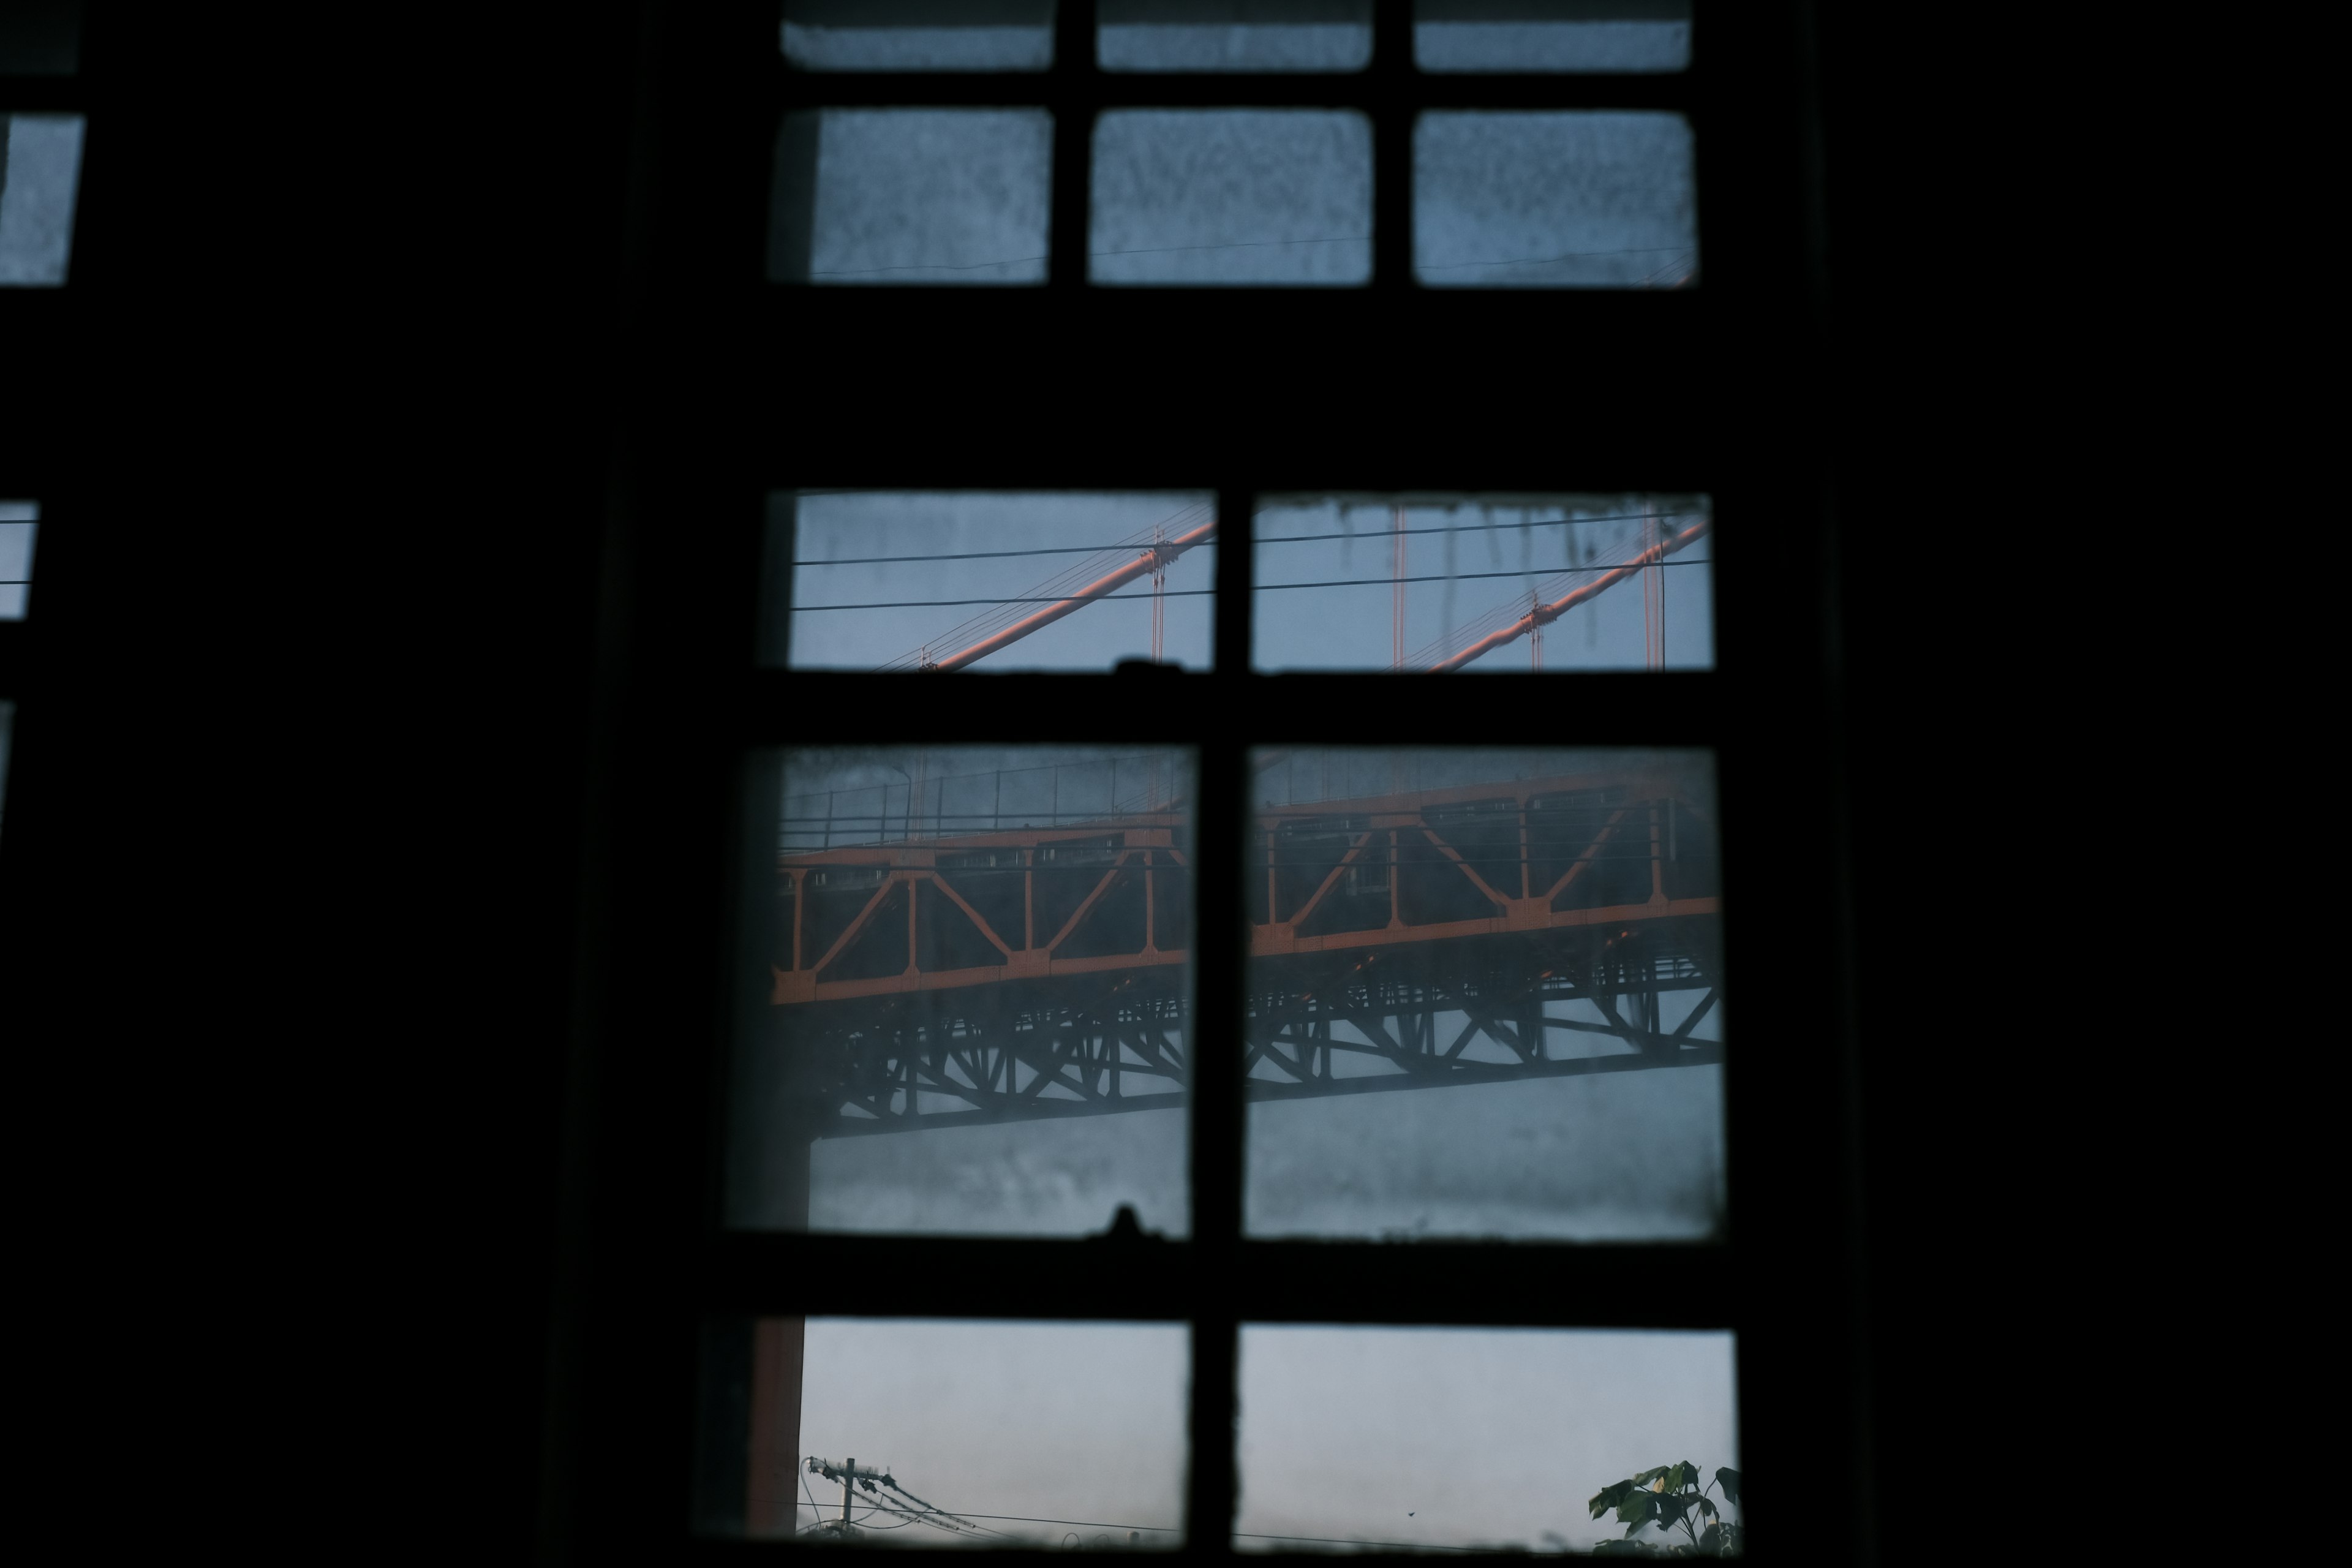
point(946, 1433)
point(1484, 583)
point(18, 525)
point(7, 728)
point(1478, 1438)
point(968, 992)
point(40, 37)
point(1231, 196)
point(1551, 34)
point(1587, 199)
point(989, 580)
point(1484, 995)
point(911, 195)
point(919, 35)
point(40, 168)
point(1234, 35)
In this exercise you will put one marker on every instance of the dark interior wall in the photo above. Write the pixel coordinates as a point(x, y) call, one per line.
point(287, 887)
point(303, 834)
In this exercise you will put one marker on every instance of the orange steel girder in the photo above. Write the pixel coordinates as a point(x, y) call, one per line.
point(1140, 840)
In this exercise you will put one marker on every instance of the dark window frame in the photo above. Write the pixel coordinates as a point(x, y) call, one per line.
point(39, 441)
point(747, 388)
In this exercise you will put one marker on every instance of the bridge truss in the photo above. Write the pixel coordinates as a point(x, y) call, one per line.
point(1411, 940)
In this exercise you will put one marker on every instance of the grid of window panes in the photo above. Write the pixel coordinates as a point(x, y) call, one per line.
point(989, 1000)
point(1288, 143)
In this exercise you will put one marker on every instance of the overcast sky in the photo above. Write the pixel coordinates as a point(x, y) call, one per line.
point(1417, 1436)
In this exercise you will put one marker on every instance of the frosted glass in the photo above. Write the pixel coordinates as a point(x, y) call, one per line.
point(40, 168)
point(913, 195)
point(1583, 199)
point(1234, 35)
point(919, 35)
point(1231, 196)
point(1552, 34)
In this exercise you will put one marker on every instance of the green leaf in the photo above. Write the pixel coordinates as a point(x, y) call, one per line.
point(1608, 1496)
point(1638, 1508)
point(1707, 1507)
point(1730, 1481)
point(1646, 1476)
point(1711, 1539)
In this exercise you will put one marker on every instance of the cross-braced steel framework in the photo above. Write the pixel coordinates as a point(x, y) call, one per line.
point(1417, 940)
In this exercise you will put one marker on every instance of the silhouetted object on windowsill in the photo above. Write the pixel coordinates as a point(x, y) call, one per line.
point(1126, 1230)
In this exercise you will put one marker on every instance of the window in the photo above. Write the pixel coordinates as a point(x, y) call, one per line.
point(40, 141)
point(19, 525)
point(1205, 143)
point(1642, 805)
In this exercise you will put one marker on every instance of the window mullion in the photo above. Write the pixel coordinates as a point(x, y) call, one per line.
point(1220, 952)
point(1393, 77)
point(1071, 85)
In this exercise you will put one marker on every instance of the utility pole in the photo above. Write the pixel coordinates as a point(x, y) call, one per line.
point(848, 1475)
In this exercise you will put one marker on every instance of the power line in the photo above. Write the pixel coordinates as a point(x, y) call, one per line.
point(1083, 1524)
point(1256, 587)
point(1276, 539)
point(1470, 527)
point(1024, 599)
point(977, 628)
point(1463, 576)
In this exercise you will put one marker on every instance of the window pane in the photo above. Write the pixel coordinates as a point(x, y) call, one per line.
point(7, 728)
point(17, 528)
point(1484, 995)
point(1234, 35)
point(968, 992)
point(911, 195)
point(1551, 34)
point(1231, 196)
point(40, 167)
point(1587, 199)
point(40, 37)
point(961, 1432)
point(919, 35)
point(987, 579)
point(1484, 583)
point(1427, 1439)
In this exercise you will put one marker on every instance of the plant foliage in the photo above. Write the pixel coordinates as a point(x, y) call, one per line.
point(1670, 1498)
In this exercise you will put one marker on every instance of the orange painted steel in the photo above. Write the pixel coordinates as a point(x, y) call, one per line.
point(1130, 848)
point(1155, 559)
point(1543, 614)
